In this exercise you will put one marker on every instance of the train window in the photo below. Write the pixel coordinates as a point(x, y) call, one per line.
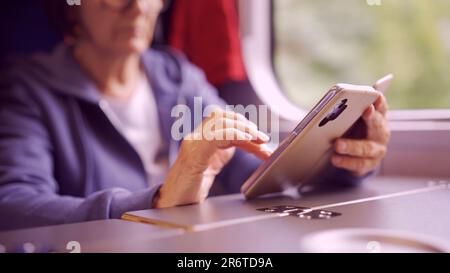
point(317, 43)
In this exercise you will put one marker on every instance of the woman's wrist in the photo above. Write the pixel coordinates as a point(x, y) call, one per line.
point(158, 202)
point(156, 197)
point(167, 195)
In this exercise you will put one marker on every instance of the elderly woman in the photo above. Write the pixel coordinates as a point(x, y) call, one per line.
point(85, 130)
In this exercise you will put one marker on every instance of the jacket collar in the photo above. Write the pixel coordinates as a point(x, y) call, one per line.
point(60, 71)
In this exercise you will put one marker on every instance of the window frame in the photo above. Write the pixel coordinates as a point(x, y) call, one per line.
point(257, 38)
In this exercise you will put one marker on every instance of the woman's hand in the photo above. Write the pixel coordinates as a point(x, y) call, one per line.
point(204, 153)
point(361, 156)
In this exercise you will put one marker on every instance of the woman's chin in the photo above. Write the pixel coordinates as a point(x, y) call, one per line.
point(132, 48)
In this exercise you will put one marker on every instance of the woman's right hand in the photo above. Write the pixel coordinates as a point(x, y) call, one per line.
point(204, 153)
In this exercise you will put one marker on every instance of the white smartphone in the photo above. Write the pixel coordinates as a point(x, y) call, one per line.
point(383, 84)
point(308, 148)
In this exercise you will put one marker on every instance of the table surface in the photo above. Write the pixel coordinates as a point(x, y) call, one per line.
point(424, 213)
point(94, 236)
point(230, 209)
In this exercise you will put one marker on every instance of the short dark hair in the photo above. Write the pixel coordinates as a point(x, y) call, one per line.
point(61, 15)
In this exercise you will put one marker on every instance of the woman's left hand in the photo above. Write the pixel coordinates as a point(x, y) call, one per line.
point(360, 156)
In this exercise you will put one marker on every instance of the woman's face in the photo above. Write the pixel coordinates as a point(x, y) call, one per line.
point(119, 26)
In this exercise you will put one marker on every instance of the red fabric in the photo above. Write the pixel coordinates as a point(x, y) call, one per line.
point(207, 32)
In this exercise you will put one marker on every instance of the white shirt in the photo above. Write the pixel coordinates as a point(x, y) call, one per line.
point(137, 119)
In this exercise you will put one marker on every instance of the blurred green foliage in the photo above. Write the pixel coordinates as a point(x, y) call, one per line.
point(321, 42)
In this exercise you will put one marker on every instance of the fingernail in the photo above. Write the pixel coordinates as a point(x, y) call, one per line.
point(253, 125)
point(248, 137)
point(263, 136)
point(342, 146)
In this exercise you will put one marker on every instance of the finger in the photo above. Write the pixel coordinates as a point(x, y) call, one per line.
point(226, 138)
point(359, 166)
point(381, 105)
point(220, 113)
point(377, 127)
point(368, 113)
point(241, 140)
point(222, 123)
point(359, 148)
point(260, 150)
